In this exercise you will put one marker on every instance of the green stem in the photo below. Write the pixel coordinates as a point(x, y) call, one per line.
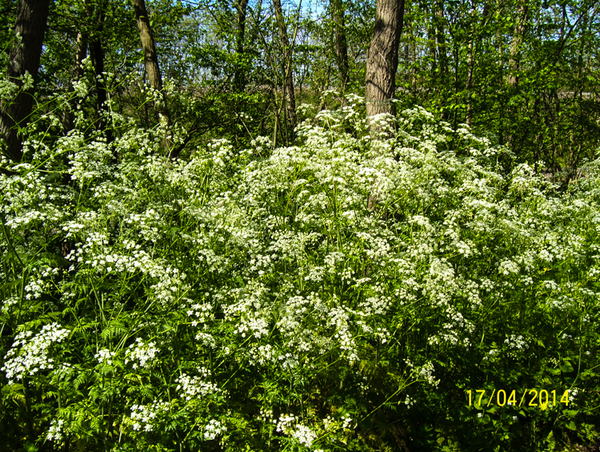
point(8, 240)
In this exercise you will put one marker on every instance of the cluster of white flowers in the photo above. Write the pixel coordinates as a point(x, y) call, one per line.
point(562, 302)
point(146, 223)
point(508, 267)
point(95, 253)
point(80, 87)
point(223, 151)
point(450, 337)
point(340, 319)
point(7, 89)
point(426, 372)
point(105, 356)
point(457, 321)
point(55, 431)
point(288, 361)
point(256, 327)
point(330, 424)
point(7, 303)
point(193, 386)
point(141, 354)
point(266, 415)
point(30, 353)
point(151, 94)
point(206, 339)
point(573, 392)
point(89, 160)
point(294, 315)
point(213, 429)
point(144, 416)
point(346, 422)
point(262, 355)
point(516, 342)
point(34, 289)
point(284, 422)
point(199, 312)
point(384, 123)
point(304, 435)
point(29, 199)
point(261, 144)
point(491, 355)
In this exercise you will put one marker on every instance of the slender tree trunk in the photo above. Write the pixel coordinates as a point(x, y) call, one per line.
point(432, 48)
point(97, 17)
point(514, 53)
point(382, 57)
point(151, 58)
point(500, 98)
point(239, 77)
point(323, 87)
point(470, 67)
point(442, 56)
point(341, 45)
point(469, 85)
point(97, 57)
point(515, 45)
point(440, 37)
point(413, 57)
point(80, 54)
point(25, 56)
point(290, 95)
point(414, 72)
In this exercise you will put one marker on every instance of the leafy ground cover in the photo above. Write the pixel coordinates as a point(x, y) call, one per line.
point(350, 293)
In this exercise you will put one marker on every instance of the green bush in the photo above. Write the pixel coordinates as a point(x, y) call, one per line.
point(344, 294)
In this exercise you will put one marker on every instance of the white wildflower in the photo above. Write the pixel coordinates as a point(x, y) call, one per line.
point(105, 356)
point(144, 416)
point(304, 435)
point(141, 354)
point(29, 353)
point(213, 429)
point(55, 431)
point(194, 386)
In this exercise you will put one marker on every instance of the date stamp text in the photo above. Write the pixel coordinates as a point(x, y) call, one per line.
point(535, 398)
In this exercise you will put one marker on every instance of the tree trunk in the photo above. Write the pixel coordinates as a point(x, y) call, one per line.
point(239, 77)
point(432, 49)
point(290, 95)
point(470, 67)
point(413, 55)
point(97, 57)
point(515, 45)
point(469, 85)
point(341, 45)
point(80, 54)
point(382, 64)
point(96, 17)
point(382, 58)
point(442, 56)
point(151, 58)
point(440, 37)
point(500, 77)
point(24, 58)
point(514, 53)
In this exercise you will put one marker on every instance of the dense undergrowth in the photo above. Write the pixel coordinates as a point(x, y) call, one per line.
point(344, 294)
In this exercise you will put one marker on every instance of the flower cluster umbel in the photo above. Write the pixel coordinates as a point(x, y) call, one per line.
point(30, 352)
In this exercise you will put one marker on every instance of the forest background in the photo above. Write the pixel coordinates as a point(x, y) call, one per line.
point(254, 225)
point(524, 73)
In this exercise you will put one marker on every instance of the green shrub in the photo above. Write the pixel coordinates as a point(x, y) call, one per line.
point(343, 294)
